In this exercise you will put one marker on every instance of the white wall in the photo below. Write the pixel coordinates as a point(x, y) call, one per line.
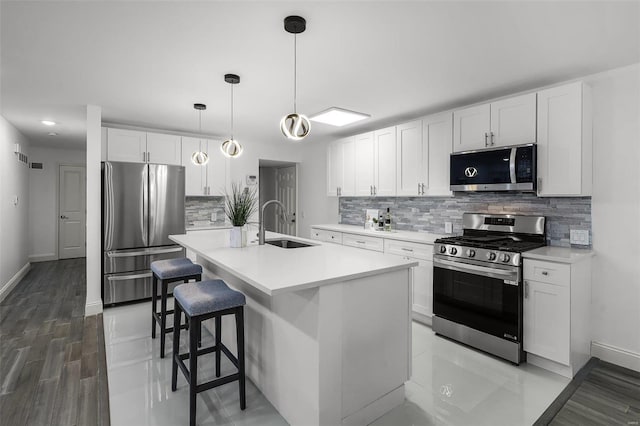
point(93, 304)
point(43, 199)
point(14, 181)
point(616, 215)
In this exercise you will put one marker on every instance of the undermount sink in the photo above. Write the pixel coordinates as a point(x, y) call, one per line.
point(288, 244)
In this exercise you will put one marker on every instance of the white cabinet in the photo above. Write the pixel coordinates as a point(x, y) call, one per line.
point(385, 162)
point(134, 146)
point(363, 242)
point(163, 149)
point(411, 159)
point(209, 179)
point(564, 141)
point(437, 135)
point(326, 236)
point(505, 122)
point(365, 159)
point(126, 145)
point(340, 167)
point(556, 314)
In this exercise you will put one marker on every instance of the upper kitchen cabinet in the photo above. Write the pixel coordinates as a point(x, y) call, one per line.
point(437, 133)
point(505, 122)
point(126, 145)
point(203, 180)
point(385, 162)
point(564, 141)
point(411, 159)
point(340, 167)
point(134, 146)
point(163, 149)
point(365, 159)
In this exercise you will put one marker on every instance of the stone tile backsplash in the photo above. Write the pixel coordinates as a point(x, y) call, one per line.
point(199, 209)
point(430, 214)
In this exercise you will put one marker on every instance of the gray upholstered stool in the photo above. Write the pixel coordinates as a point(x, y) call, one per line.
point(199, 302)
point(168, 271)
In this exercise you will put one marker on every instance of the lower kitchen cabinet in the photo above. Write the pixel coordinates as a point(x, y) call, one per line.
point(556, 317)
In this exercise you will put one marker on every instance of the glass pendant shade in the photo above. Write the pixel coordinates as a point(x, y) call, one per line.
point(295, 126)
point(200, 158)
point(231, 148)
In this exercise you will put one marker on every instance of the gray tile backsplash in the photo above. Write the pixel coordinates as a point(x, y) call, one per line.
point(199, 209)
point(430, 214)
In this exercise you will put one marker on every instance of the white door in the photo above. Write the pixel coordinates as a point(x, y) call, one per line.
point(410, 168)
point(513, 121)
point(194, 174)
point(348, 187)
point(471, 128)
point(286, 194)
point(126, 145)
point(437, 137)
point(163, 149)
point(365, 155)
point(72, 212)
point(385, 162)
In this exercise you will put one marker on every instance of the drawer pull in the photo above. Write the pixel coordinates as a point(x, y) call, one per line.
point(407, 249)
point(361, 242)
point(545, 273)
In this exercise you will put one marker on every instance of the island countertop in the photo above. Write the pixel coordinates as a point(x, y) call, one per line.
point(274, 270)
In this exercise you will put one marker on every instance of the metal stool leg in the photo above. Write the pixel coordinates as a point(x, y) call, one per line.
point(240, 337)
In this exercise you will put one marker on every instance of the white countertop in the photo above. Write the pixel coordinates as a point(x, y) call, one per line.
point(416, 237)
point(558, 254)
point(274, 270)
point(206, 227)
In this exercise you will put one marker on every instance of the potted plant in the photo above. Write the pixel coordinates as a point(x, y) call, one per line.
point(241, 204)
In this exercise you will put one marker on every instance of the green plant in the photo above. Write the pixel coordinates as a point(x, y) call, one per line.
point(241, 203)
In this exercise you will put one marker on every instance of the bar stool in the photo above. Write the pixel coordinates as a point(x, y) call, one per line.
point(168, 271)
point(201, 301)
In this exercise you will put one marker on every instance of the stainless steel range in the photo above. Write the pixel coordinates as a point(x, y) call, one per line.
point(477, 281)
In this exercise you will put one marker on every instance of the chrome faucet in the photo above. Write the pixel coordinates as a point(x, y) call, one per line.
point(261, 218)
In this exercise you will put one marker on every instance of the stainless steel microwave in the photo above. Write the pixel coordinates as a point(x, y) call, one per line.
point(501, 169)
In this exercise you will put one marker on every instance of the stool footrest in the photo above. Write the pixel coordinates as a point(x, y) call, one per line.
point(180, 357)
point(217, 382)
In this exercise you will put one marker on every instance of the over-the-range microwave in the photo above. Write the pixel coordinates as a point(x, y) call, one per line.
point(510, 168)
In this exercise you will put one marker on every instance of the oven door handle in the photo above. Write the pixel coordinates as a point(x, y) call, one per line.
point(478, 270)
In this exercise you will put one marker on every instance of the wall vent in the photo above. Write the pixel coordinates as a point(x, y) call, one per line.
point(37, 166)
point(22, 158)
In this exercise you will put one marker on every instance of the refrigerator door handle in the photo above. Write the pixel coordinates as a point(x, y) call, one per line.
point(143, 252)
point(145, 205)
point(129, 277)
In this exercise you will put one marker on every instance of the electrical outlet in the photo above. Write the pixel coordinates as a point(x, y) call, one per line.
point(214, 216)
point(448, 228)
point(579, 237)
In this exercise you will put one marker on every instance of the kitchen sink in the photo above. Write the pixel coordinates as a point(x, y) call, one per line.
point(288, 244)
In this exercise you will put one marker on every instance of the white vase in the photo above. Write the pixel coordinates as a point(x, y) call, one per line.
point(238, 237)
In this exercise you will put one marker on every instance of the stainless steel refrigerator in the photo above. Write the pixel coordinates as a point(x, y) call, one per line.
point(142, 204)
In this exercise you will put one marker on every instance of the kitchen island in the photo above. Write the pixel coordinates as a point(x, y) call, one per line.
point(327, 328)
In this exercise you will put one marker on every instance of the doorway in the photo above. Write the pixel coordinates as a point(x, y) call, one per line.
point(72, 201)
point(278, 180)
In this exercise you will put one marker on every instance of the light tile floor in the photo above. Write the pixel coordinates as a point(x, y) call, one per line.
point(451, 384)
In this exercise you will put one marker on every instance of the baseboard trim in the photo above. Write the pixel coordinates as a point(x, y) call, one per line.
point(6, 288)
point(421, 318)
point(43, 257)
point(93, 308)
point(615, 355)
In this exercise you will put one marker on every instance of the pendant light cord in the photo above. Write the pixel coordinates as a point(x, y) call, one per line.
point(295, 71)
point(200, 130)
point(232, 111)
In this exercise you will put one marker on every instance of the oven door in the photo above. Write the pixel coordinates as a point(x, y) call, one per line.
point(488, 299)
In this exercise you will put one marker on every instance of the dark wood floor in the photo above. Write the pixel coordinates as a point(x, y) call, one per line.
point(600, 394)
point(53, 368)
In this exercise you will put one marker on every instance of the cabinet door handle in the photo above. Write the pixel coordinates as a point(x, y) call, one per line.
point(144, 157)
point(545, 273)
point(360, 242)
point(371, 189)
point(423, 189)
point(64, 217)
point(492, 141)
point(375, 190)
point(407, 249)
point(486, 136)
point(148, 157)
point(526, 289)
point(539, 185)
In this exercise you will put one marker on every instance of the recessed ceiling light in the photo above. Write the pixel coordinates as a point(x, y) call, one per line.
point(48, 123)
point(338, 116)
point(52, 134)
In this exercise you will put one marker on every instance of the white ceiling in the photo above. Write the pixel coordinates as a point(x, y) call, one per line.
point(147, 62)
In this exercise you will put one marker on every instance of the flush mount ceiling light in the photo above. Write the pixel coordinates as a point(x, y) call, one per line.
point(200, 158)
point(338, 116)
point(295, 126)
point(48, 122)
point(52, 134)
point(231, 148)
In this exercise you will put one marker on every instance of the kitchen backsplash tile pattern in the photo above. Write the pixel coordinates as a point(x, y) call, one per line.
point(199, 209)
point(430, 214)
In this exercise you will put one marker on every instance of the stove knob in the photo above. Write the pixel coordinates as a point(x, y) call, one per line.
point(471, 253)
point(443, 249)
point(453, 250)
point(504, 257)
point(491, 255)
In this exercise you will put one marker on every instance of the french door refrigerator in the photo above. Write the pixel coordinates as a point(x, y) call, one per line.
point(142, 204)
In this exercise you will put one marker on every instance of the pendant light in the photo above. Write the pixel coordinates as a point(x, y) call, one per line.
point(231, 148)
point(295, 126)
point(200, 158)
